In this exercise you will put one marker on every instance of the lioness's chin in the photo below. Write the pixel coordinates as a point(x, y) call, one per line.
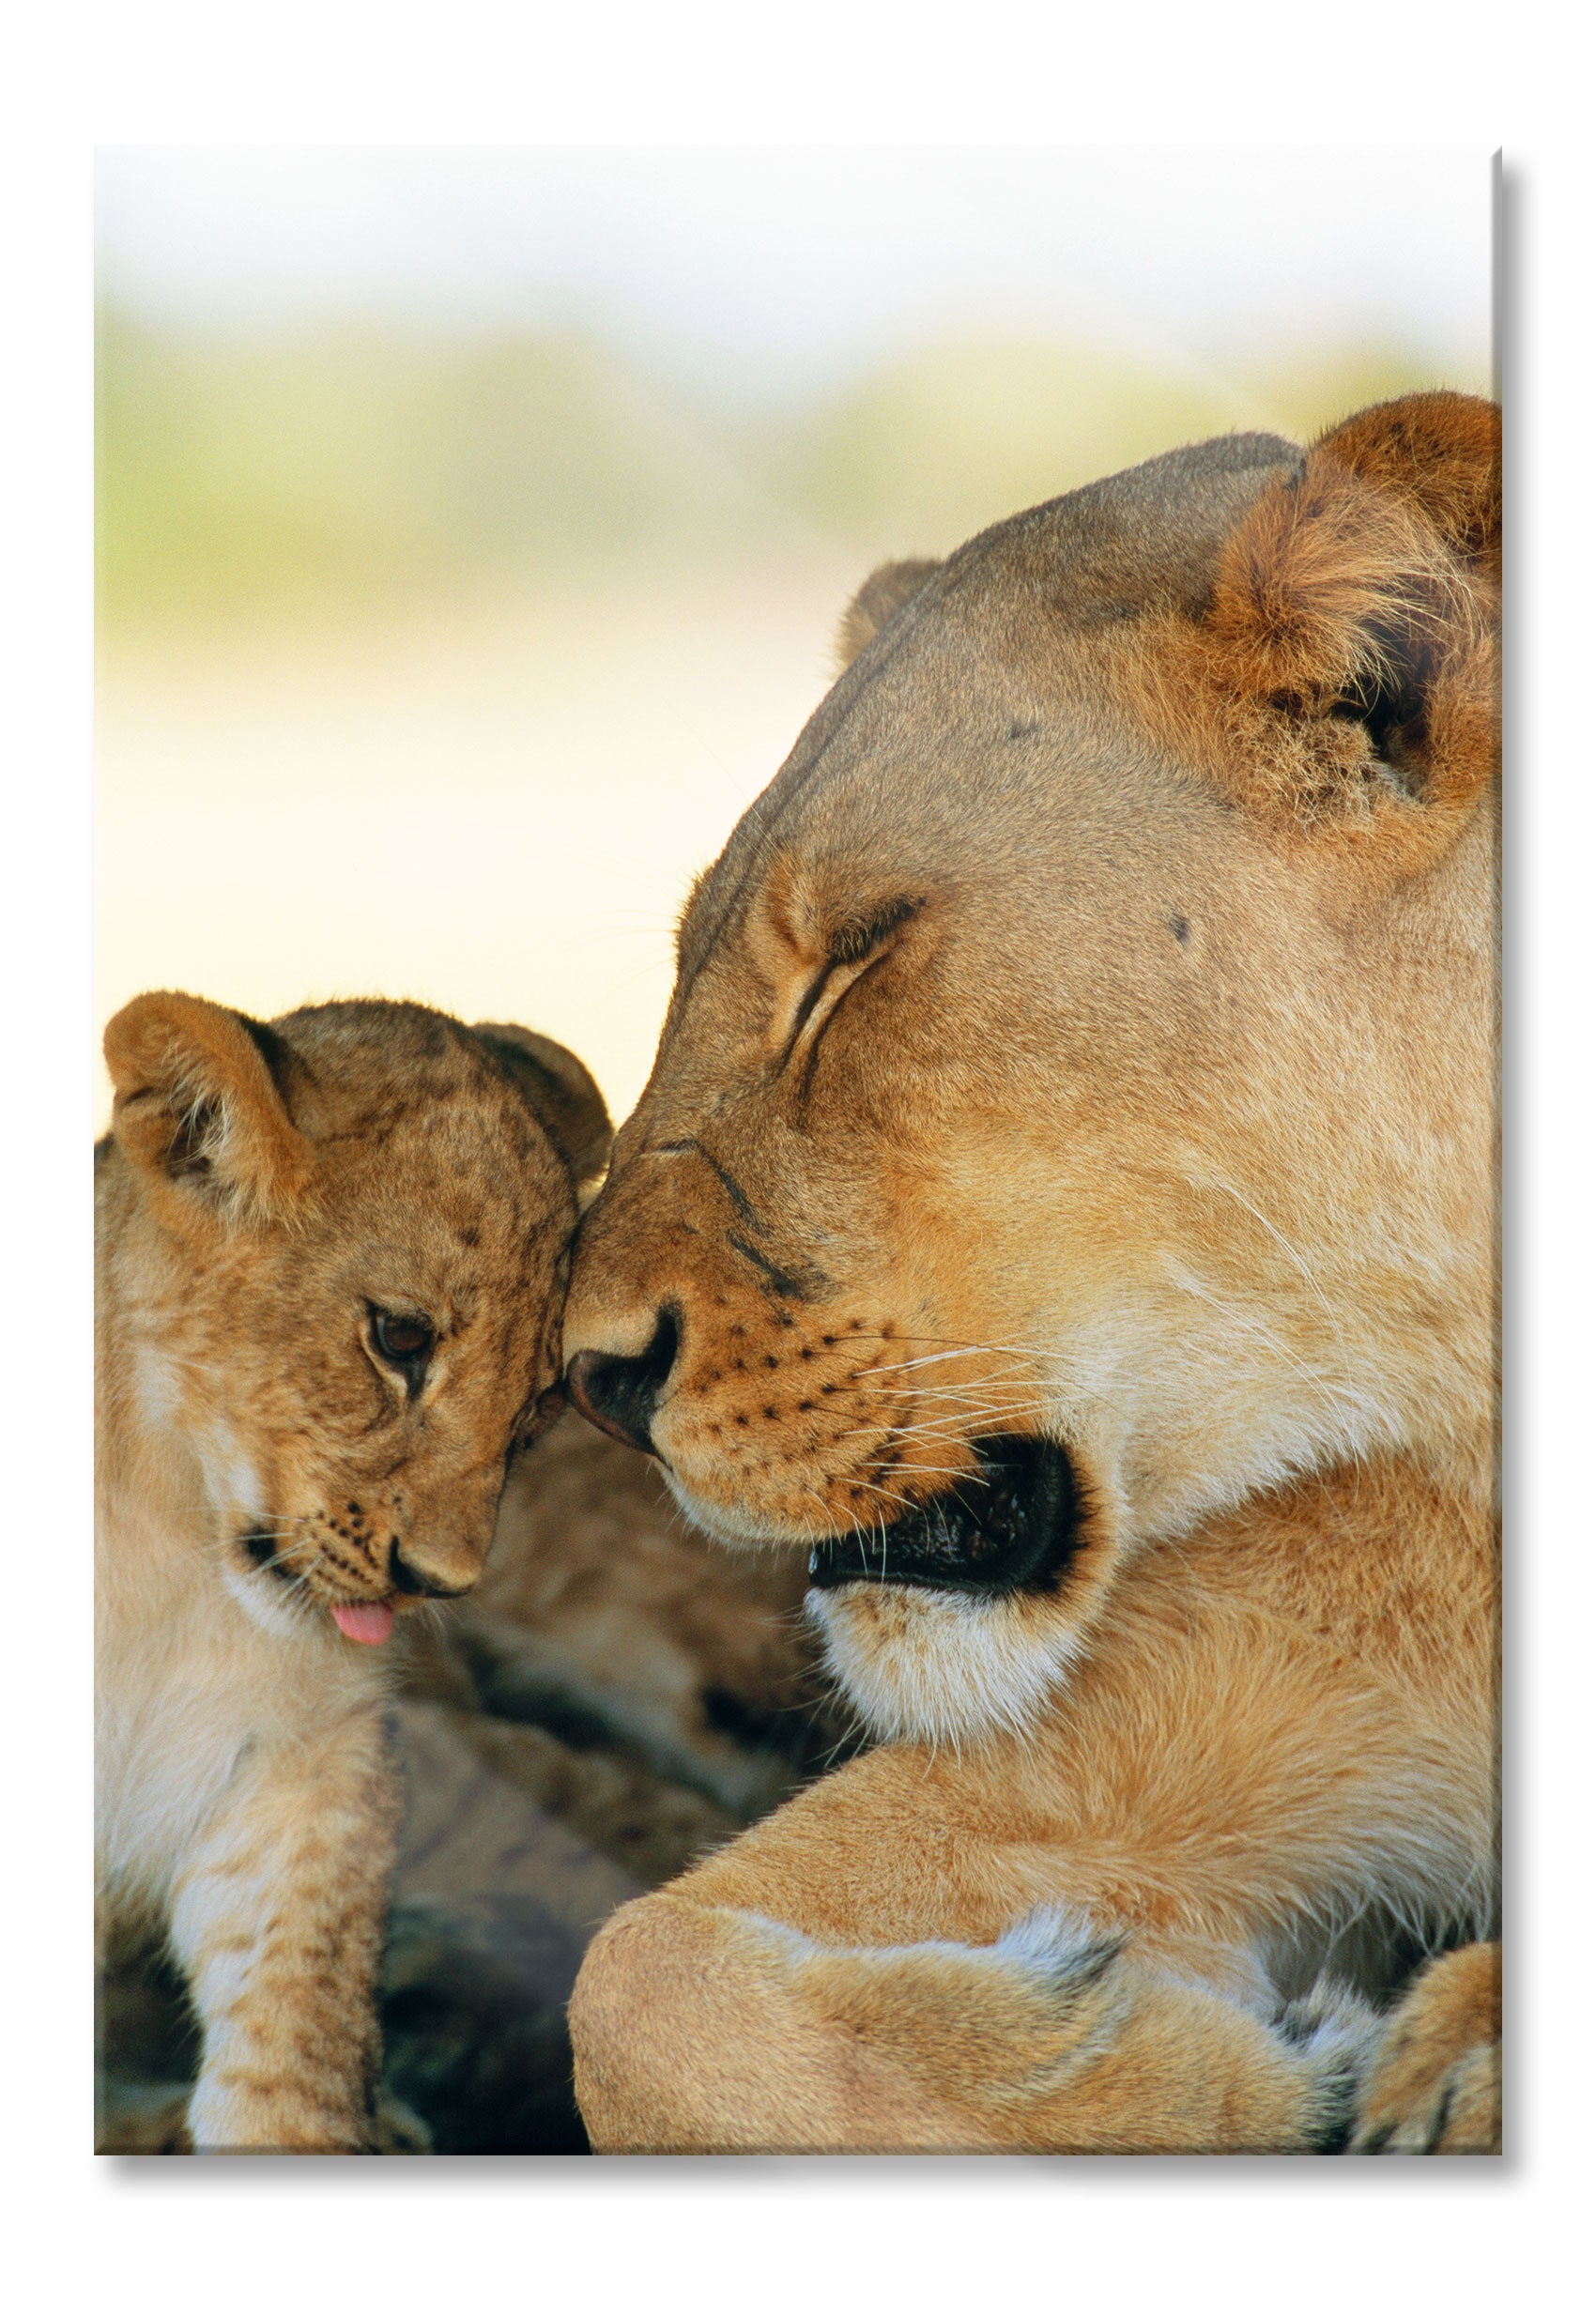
point(939, 1664)
point(952, 1621)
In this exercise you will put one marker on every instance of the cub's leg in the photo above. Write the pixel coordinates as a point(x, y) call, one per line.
point(277, 1919)
point(1436, 2087)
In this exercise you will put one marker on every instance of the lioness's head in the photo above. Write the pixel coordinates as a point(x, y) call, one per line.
point(336, 1275)
point(1073, 1111)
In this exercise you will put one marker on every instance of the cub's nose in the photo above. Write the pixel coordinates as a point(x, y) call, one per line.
point(622, 1394)
point(412, 1580)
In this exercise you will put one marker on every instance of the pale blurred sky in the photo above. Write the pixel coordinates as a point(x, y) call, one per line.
point(772, 272)
point(496, 806)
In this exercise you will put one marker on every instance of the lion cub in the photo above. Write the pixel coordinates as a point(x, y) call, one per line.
point(329, 1262)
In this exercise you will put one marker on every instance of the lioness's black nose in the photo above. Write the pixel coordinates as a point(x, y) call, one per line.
point(622, 1394)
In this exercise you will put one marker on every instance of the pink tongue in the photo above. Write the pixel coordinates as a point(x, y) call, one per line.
point(365, 1624)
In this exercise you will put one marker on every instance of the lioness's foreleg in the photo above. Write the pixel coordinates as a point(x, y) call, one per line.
point(277, 1920)
point(899, 1960)
point(1196, 1813)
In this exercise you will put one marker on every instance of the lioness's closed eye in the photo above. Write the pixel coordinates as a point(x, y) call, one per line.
point(330, 1256)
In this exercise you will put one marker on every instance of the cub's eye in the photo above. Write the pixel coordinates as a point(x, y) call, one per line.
point(404, 1342)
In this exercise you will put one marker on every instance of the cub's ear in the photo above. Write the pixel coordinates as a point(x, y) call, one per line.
point(877, 601)
point(561, 1091)
point(198, 1106)
point(1349, 649)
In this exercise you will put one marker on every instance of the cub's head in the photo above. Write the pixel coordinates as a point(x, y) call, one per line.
point(1074, 1110)
point(336, 1255)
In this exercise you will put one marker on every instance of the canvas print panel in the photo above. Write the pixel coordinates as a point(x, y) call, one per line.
point(937, 1590)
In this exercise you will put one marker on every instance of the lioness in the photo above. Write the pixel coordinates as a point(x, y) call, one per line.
point(1063, 1203)
point(330, 1255)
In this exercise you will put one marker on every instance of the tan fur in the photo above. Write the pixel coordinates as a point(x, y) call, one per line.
point(1089, 1036)
point(599, 1602)
point(263, 1192)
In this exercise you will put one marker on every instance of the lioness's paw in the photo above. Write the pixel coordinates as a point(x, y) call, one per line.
point(1456, 2113)
point(1339, 2036)
point(988, 2026)
point(1435, 2087)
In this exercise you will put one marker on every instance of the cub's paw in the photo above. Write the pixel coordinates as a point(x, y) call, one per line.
point(1436, 2088)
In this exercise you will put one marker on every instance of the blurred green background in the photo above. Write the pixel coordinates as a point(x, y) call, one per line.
point(471, 536)
point(348, 470)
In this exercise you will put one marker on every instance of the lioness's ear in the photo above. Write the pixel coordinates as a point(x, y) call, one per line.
point(877, 601)
point(1352, 632)
point(197, 1106)
point(1443, 451)
point(561, 1091)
